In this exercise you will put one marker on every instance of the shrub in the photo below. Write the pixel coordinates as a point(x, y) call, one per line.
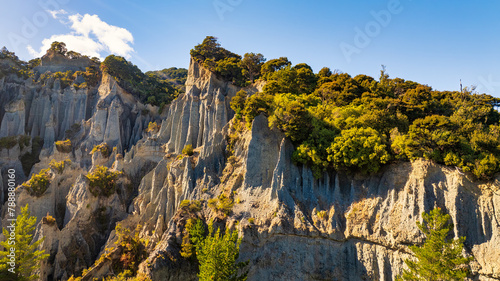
point(322, 214)
point(38, 183)
point(188, 150)
point(50, 220)
point(59, 166)
point(222, 204)
point(64, 146)
point(133, 249)
point(103, 148)
point(251, 220)
point(191, 206)
point(359, 148)
point(8, 142)
point(153, 128)
point(102, 181)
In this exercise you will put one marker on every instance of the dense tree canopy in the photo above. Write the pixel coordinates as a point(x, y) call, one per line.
point(340, 122)
point(227, 65)
point(149, 88)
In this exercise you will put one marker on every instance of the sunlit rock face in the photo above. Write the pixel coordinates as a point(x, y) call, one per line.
point(337, 227)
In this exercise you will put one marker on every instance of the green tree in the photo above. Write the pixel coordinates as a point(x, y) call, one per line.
point(251, 64)
point(438, 258)
point(27, 257)
point(217, 254)
point(274, 65)
point(362, 148)
point(58, 47)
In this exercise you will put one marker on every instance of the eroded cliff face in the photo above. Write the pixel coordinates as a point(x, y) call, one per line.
point(340, 227)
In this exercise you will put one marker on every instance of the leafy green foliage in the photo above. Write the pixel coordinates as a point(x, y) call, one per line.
point(102, 181)
point(341, 122)
point(194, 233)
point(238, 103)
point(149, 88)
point(217, 254)
point(38, 183)
point(358, 148)
point(225, 64)
point(438, 258)
point(27, 257)
point(251, 64)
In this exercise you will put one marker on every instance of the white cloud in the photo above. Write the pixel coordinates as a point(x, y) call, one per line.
point(55, 13)
point(90, 36)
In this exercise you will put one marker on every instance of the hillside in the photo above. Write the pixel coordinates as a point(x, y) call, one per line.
point(324, 176)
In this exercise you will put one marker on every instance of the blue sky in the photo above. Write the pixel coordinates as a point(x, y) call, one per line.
point(431, 42)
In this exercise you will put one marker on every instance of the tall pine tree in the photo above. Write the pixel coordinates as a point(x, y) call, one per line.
point(438, 258)
point(27, 257)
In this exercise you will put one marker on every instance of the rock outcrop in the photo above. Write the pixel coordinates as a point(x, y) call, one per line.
point(338, 227)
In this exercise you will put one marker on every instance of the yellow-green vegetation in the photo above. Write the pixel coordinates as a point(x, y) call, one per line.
point(19, 68)
point(192, 234)
point(190, 206)
point(222, 204)
point(133, 249)
point(217, 254)
point(58, 167)
point(102, 181)
point(50, 220)
point(358, 123)
point(27, 255)
point(38, 183)
point(439, 258)
point(251, 220)
point(103, 148)
point(148, 88)
point(153, 128)
point(228, 65)
point(64, 146)
point(188, 150)
point(125, 276)
point(322, 214)
point(91, 75)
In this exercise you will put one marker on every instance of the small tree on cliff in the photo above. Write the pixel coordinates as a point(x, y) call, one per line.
point(438, 258)
point(216, 253)
point(27, 257)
